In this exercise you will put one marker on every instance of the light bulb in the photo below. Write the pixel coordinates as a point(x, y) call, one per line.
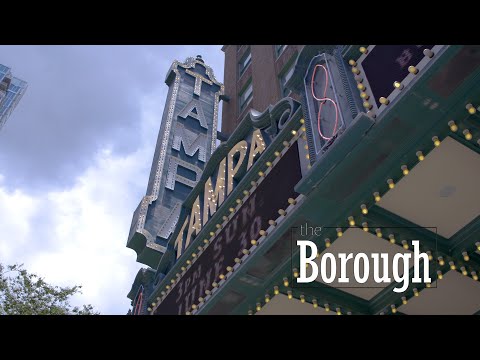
point(412, 70)
point(465, 256)
point(315, 303)
point(361, 87)
point(327, 307)
point(439, 275)
point(441, 262)
point(363, 50)
point(275, 290)
point(392, 238)
point(428, 53)
point(452, 265)
point(436, 141)
point(339, 232)
point(302, 299)
point(376, 196)
point(390, 183)
point(464, 271)
point(398, 85)
point(415, 292)
point(404, 169)
point(430, 256)
point(351, 221)
point(394, 309)
point(285, 282)
point(364, 95)
point(474, 275)
point(259, 307)
point(367, 105)
point(379, 232)
point(467, 134)
point(365, 226)
point(355, 70)
point(352, 62)
point(327, 243)
point(339, 312)
point(404, 300)
point(405, 244)
point(452, 125)
point(471, 109)
point(267, 298)
point(295, 273)
point(289, 294)
point(384, 101)
point(420, 156)
point(364, 209)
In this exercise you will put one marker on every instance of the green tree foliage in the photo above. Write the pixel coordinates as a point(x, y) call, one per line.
point(22, 293)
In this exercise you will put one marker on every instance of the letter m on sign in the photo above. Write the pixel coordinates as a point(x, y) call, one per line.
point(191, 142)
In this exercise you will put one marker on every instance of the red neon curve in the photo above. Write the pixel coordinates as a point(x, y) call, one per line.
point(138, 306)
point(322, 101)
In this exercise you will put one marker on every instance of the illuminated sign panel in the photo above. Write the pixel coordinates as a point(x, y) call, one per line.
point(385, 64)
point(328, 109)
point(261, 206)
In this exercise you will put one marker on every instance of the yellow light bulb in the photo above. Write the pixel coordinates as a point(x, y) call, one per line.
point(289, 294)
point(398, 85)
point(285, 282)
point(430, 256)
point(302, 121)
point(420, 156)
point(339, 312)
point(439, 275)
point(384, 101)
point(315, 303)
point(355, 70)
point(394, 309)
point(364, 209)
point(361, 87)
point(467, 134)
point(405, 244)
point(464, 271)
point(404, 169)
point(471, 109)
point(376, 196)
point(441, 261)
point(363, 50)
point(295, 273)
point(339, 232)
point(474, 275)
point(378, 232)
point(452, 265)
point(412, 70)
point(452, 125)
point(436, 141)
point(259, 307)
point(477, 244)
point(392, 238)
point(365, 226)
point(267, 298)
point(465, 256)
point(352, 62)
point(404, 300)
point(364, 96)
point(327, 307)
point(415, 292)
point(302, 299)
point(327, 243)
point(351, 221)
point(390, 183)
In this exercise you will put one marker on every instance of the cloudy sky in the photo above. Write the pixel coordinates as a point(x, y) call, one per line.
point(75, 156)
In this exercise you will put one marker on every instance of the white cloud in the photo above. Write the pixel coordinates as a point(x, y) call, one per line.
point(88, 223)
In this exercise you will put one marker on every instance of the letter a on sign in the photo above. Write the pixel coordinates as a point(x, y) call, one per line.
point(194, 110)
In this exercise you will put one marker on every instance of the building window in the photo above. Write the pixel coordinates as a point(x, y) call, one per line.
point(245, 96)
point(284, 77)
point(244, 62)
point(279, 49)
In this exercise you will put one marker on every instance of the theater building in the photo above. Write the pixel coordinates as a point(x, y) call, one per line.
point(375, 145)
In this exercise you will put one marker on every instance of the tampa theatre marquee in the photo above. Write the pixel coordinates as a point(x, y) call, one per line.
point(376, 159)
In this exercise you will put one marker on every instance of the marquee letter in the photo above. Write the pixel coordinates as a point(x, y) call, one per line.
point(194, 110)
point(240, 147)
point(257, 147)
point(179, 240)
point(213, 199)
point(172, 175)
point(195, 224)
point(191, 144)
point(304, 261)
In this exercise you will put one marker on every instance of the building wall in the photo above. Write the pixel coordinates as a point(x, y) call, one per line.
point(264, 71)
